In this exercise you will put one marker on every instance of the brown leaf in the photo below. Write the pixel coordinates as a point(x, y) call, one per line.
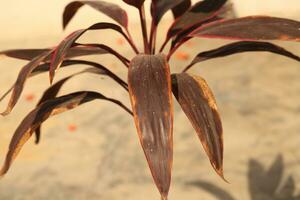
point(181, 8)
point(42, 113)
point(150, 93)
point(136, 3)
point(111, 10)
point(241, 47)
point(199, 105)
point(251, 28)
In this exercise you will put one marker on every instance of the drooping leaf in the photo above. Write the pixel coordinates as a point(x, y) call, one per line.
point(199, 105)
point(149, 85)
point(159, 8)
point(42, 113)
point(181, 8)
point(251, 28)
point(241, 47)
point(214, 190)
point(197, 14)
point(111, 10)
point(136, 3)
point(29, 54)
point(22, 77)
point(61, 50)
point(52, 91)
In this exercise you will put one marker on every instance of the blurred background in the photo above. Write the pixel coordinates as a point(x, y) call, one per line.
point(93, 152)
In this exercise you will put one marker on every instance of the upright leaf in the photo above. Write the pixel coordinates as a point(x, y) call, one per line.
point(251, 28)
point(199, 105)
point(42, 113)
point(150, 93)
point(109, 9)
point(136, 3)
point(197, 14)
point(159, 8)
point(241, 47)
point(181, 8)
point(61, 50)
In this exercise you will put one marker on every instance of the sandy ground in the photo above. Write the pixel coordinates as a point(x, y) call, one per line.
point(257, 94)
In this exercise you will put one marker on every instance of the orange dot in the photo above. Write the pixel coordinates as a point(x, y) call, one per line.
point(72, 128)
point(180, 55)
point(120, 41)
point(29, 97)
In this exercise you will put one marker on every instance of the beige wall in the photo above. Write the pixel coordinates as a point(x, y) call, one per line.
point(32, 18)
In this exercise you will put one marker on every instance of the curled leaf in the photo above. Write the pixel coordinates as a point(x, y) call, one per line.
point(199, 105)
point(42, 113)
point(251, 28)
point(241, 47)
point(111, 10)
point(149, 84)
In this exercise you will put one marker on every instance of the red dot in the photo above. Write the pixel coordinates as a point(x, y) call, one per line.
point(29, 97)
point(180, 55)
point(72, 127)
point(120, 41)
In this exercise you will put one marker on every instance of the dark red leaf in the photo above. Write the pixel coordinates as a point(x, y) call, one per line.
point(198, 103)
point(61, 50)
point(251, 28)
point(110, 9)
point(181, 8)
point(240, 47)
point(29, 54)
point(149, 84)
point(136, 3)
point(52, 91)
point(159, 8)
point(22, 77)
point(42, 113)
point(199, 13)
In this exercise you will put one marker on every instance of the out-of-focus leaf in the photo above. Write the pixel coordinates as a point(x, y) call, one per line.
point(22, 77)
point(149, 83)
point(288, 189)
point(181, 8)
point(136, 3)
point(159, 8)
point(42, 113)
point(29, 54)
point(52, 91)
point(109, 9)
point(216, 191)
point(61, 50)
point(197, 14)
point(251, 28)
point(241, 47)
point(198, 103)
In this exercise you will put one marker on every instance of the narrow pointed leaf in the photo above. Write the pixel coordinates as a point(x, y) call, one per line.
point(181, 8)
point(136, 3)
point(52, 91)
point(149, 84)
point(199, 105)
point(29, 54)
point(197, 14)
point(42, 113)
point(241, 47)
point(159, 8)
point(111, 10)
point(61, 50)
point(251, 28)
point(22, 77)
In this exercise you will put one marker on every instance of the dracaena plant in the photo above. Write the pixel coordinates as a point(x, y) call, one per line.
point(150, 84)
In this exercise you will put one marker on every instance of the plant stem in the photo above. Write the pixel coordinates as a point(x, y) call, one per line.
point(144, 29)
point(172, 51)
point(130, 41)
point(153, 35)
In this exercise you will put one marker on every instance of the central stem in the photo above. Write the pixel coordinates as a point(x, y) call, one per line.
point(144, 29)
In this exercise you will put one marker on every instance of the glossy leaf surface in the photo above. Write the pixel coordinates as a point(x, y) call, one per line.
point(111, 10)
point(251, 28)
point(199, 105)
point(42, 113)
point(149, 84)
point(241, 47)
